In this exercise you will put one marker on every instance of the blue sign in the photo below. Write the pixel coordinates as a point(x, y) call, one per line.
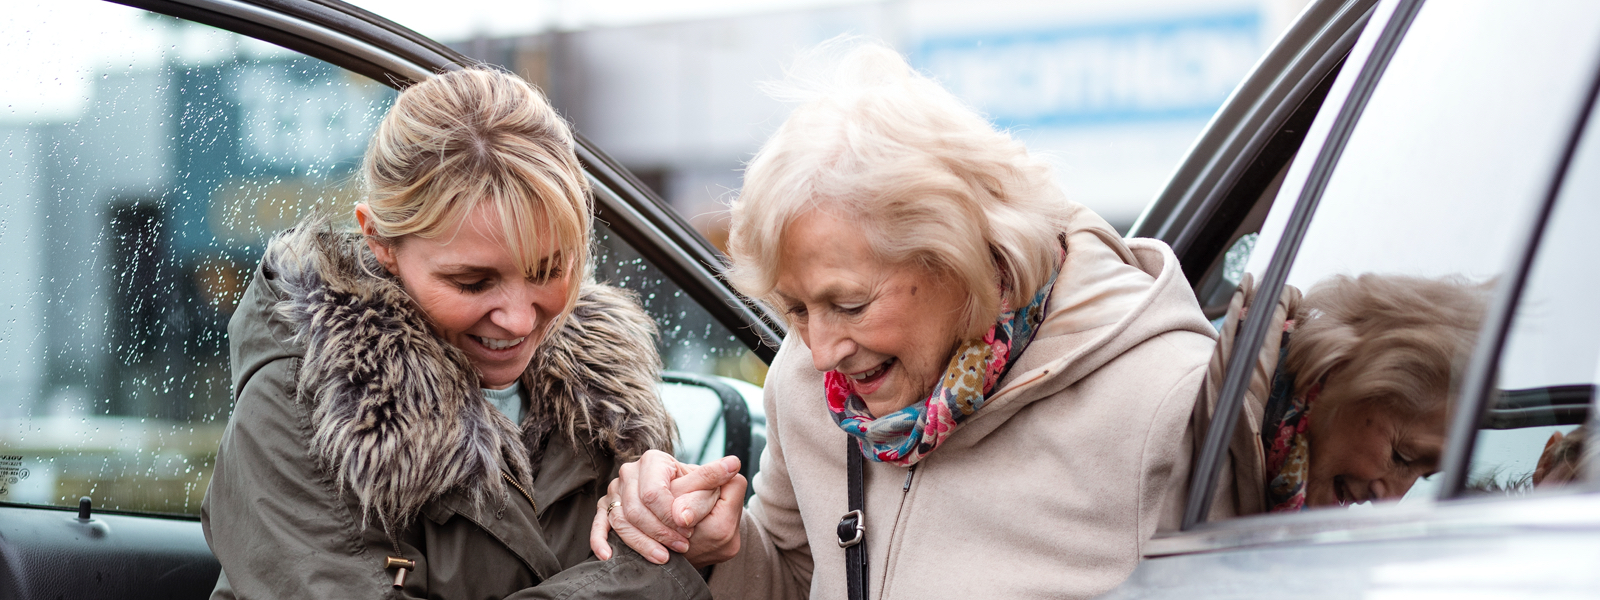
point(1128, 72)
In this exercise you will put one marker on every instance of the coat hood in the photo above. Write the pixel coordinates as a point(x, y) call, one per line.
point(1111, 295)
point(397, 415)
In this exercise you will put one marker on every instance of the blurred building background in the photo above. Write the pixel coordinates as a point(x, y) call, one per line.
point(147, 161)
point(1112, 92)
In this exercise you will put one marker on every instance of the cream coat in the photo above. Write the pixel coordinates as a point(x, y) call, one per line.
point(1049, 491)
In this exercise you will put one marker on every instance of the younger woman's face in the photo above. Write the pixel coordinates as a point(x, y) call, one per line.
point(469, 286)
point(1367, 452)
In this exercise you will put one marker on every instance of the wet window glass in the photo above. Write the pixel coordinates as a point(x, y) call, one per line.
point(691, 339)
point(1534, 433)
point(1350, 400)
point(143, 175)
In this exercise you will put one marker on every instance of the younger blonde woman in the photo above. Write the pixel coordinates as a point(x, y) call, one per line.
point(432, 408)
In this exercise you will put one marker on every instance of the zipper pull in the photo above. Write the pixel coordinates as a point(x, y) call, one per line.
point(905, 489)
point(400, 565)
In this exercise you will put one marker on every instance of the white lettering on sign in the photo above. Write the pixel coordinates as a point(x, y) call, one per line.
point(11, 472)
point(1098, 74)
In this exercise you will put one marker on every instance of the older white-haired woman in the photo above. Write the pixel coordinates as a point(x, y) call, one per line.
point(1018, 377)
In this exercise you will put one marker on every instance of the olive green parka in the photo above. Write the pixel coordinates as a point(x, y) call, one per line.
point(357, 435)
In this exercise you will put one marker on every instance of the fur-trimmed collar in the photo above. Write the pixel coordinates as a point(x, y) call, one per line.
point(398, 415)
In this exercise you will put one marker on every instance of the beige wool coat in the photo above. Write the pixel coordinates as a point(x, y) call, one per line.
point(1049, 491)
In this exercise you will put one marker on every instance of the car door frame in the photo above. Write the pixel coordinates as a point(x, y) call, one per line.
point(1197, 212)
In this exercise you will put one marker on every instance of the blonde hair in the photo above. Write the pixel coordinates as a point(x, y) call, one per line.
point(1394, 339)
point(476, 137)
point(929, 180)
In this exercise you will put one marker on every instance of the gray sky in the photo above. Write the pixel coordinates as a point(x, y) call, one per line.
point(48, 62)
point(466, 18)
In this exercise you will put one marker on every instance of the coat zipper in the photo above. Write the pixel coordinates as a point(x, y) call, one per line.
point(525, 493)
point(894, 531)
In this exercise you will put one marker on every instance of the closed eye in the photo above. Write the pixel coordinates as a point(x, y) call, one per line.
point(545, 274)
point(1399, 459)
point(550, 267)
point(473, 287)
point(796, 312)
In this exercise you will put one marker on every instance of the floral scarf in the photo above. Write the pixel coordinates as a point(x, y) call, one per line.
point(1283, 433)
point(905, 436)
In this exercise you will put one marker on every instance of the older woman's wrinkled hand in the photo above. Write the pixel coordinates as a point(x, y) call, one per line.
point(658, 503)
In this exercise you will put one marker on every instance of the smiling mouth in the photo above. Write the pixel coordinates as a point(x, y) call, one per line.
point(1341, 491)
point(874, 372)
point(494, 344)
point(868, 381)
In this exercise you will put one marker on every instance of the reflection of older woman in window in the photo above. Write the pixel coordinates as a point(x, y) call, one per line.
point(1358, 406)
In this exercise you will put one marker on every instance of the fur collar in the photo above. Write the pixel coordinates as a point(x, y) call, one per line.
point(397, 414)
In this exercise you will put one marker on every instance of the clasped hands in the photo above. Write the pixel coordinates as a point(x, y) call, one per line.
point(656, 503)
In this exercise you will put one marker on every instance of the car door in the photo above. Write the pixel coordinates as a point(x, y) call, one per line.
point(1212, 210)
point(138, 191)
point(1455, 152)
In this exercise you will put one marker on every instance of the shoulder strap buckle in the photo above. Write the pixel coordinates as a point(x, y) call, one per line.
point(852, 526)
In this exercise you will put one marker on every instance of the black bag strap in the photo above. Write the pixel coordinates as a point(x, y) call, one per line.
point(852, 529)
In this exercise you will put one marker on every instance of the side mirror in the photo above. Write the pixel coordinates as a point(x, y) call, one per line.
point(716, 417)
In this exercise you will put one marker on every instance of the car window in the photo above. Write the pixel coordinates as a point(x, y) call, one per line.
point(1533, 434)
point(1249, 200)
point(144, 173)
point(1433, 191)
point(691, 339)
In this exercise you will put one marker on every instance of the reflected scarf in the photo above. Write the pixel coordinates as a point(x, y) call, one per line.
point(1283, 434)
point(905, 436)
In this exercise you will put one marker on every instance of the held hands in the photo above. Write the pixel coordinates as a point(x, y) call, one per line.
point(657, 503)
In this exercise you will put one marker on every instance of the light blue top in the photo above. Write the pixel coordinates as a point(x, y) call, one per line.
point(508, 400)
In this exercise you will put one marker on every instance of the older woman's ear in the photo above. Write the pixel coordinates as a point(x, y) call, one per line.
point(369, 230)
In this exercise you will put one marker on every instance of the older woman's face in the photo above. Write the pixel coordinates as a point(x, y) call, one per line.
point(889, 329)
point(469, 286)
point(1365, 452)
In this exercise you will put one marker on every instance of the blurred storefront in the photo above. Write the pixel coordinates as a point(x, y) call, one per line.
point(1112, 93)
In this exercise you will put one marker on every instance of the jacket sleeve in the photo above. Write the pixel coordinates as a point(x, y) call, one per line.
point(1168, 444)
point(774, 559)
point(627, 576)
point(280, 528)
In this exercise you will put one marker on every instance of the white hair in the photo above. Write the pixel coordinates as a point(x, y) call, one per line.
point(931, 182)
